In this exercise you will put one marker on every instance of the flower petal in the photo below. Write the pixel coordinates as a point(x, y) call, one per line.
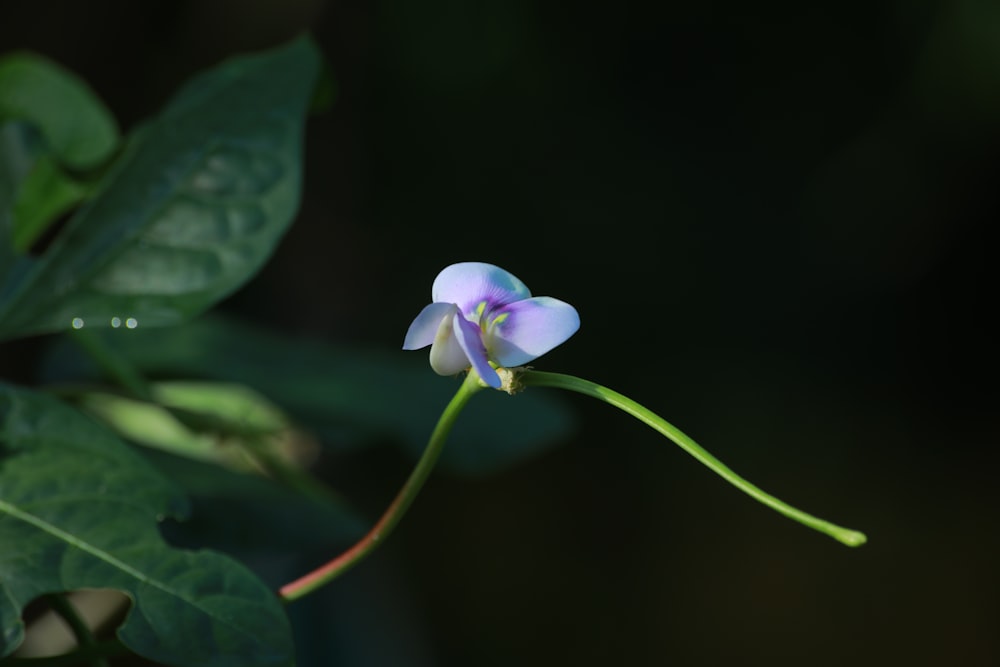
point(527, 329)
point(469, 284)
point(424, 328)
point(470, 338)
point(447, 354)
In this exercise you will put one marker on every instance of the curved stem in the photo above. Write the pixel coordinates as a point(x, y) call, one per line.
point(262, 454)
point(851, 538)
point(61, 605)
point(325, 574)
point(111, 362)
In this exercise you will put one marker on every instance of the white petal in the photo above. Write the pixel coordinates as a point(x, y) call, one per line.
point(447, 355)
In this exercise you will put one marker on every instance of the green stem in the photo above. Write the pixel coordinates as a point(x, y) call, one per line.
point(261, 454)
point(112, 363)
point(61, 605)
point(851, 538)
point(381, 530)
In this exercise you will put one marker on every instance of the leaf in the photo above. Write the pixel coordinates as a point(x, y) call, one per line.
point(74, 130)
point(199, 420)
point(75, 124)
point(78, 509)
point(18, 150)
point(190, 211)
point(45, 194)
point(352, 396)
point(231, 408)
point(6, 245)
point(18, 147)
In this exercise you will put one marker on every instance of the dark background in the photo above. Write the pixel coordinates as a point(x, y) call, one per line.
point(776, 223)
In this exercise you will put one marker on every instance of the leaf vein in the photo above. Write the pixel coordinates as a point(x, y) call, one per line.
point(71, 539)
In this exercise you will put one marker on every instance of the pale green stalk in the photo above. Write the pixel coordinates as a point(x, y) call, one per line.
point(851, 538)
point(116, 366)
point(513, 380)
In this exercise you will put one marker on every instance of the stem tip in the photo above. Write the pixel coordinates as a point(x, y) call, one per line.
point(852, 538)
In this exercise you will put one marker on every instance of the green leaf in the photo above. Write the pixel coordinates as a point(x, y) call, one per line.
point(79, 509)
point(6, 246)
point(18, 149)
point(205, 421)
point(74, 130)
point(191, 210)
point(231, 408)
point(351, 396)
point(45, 194)
point(75, 124)
point(154, 426)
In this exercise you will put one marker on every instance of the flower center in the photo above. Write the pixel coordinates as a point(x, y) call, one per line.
point(482, 315)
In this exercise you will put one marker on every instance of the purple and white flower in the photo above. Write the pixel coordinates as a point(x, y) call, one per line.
point(482, 314)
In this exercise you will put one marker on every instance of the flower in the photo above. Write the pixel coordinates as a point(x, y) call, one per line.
point(481, 314)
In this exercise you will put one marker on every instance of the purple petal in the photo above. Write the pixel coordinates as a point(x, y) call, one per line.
point(471, 283)
point(447, 354)
point(527, 329)
point(424, 328)
point(470, 338)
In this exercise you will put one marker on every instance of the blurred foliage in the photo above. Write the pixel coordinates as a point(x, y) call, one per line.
point(54, 131)
point(350, 396)
point(77, 508)
point(191, 210)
